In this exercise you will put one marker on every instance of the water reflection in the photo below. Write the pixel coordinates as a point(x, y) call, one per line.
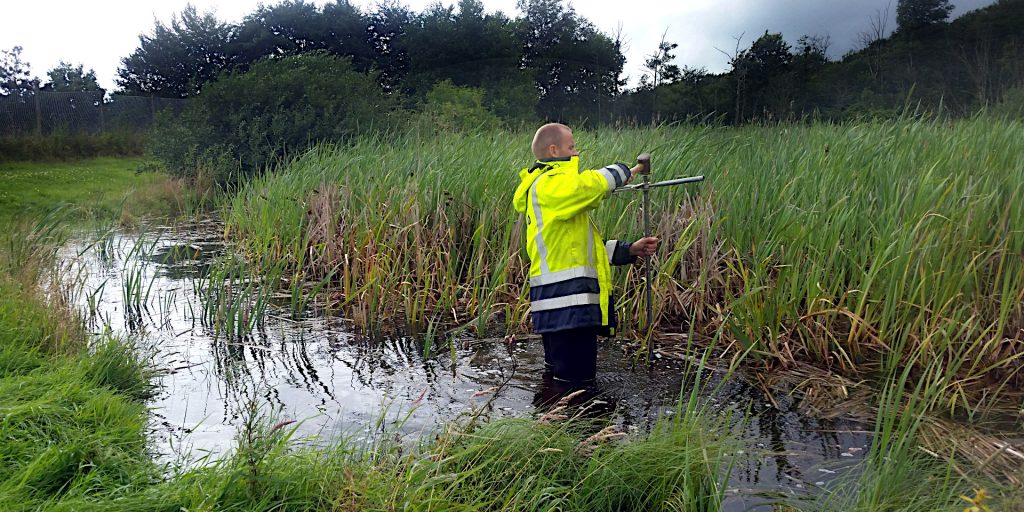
point(319, 371)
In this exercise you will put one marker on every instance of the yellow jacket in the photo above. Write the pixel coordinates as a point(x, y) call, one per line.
point(570, 277)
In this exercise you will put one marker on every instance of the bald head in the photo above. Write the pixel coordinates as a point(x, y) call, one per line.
point(553, 140)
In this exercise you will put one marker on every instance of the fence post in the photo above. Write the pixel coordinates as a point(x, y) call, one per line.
point(39, 116)
point(103, 127)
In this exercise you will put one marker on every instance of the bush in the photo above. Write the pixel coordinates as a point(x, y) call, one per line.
point(453, 108)
point(1013, 102)
point(245, 122)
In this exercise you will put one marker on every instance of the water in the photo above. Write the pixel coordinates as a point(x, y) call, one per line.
point(334, 381)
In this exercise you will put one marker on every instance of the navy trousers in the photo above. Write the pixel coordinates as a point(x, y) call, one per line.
point(571, 355)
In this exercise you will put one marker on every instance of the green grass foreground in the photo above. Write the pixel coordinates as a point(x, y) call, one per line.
point(73, 423)
point(96, 188)
point(854, 247)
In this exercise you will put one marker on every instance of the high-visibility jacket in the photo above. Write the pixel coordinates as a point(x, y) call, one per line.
point(570, 272)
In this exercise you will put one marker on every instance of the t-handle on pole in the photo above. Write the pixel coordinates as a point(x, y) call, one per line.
point(645, 169)
point(645, 161)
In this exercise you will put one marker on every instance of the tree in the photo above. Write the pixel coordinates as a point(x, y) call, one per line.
point(175, 61)
point(915, 14)
point(293, 27)
point(349, 33)
point(468, 47)
point(70, 78)
point(388, 24)
point(661, 69)
point(659, 64)
point(813, 50)
point(767, 58)
point(15, 78)
point(576, 67)
point(878, 30)
point(869, 40)
point(288, 28)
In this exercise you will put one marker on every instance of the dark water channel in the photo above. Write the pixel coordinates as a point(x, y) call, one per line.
point(336, 382)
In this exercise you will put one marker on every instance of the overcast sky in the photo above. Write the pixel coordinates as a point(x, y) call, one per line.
point(101, 32)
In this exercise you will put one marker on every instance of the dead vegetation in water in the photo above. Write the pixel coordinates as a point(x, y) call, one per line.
point(994, 451)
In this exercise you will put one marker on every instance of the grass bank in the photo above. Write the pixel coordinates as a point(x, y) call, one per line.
point(835, 245)
point(96, 188)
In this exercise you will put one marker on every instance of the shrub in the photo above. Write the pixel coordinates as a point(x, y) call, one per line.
point(245, 122)
point(1013, 102)
point(453, 108)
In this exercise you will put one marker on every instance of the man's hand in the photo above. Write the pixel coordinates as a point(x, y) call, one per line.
point(633, 172)
point(644, 247)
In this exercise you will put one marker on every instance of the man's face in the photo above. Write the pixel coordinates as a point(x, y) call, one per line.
point(567, 147)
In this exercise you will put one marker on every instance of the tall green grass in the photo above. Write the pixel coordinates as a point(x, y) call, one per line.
point(834, 244)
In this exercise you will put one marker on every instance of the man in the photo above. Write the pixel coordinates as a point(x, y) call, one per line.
point(570, 267)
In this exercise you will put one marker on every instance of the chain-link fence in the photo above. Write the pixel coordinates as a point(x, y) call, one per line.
point(46, 112)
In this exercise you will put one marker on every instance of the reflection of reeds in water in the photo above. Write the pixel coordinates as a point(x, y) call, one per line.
point(137, 279)
point(234, 298)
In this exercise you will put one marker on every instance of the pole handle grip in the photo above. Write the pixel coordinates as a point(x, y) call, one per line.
point(645, 163)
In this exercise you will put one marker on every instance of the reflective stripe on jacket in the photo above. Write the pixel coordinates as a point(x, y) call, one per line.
point(570, 273)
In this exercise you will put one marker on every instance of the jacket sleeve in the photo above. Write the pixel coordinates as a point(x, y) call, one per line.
point(618, 252)
point(566, 195)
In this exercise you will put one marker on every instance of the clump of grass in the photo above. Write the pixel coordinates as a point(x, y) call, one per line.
point(235, 295)
point(72, 418)
point(29, 246)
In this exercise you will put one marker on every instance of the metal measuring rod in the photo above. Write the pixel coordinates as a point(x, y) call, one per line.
point(645, 170)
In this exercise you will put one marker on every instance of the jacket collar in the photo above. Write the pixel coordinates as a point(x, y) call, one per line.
point(550, 163)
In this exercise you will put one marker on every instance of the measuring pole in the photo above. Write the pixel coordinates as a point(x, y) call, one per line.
point(645, 161)
point(645, 169)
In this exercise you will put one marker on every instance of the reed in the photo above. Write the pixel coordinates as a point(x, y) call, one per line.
point(832, 244)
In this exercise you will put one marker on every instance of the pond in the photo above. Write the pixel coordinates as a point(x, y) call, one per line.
point(335, 381)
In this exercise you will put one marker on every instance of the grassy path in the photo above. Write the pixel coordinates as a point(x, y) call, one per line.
point(97, 187)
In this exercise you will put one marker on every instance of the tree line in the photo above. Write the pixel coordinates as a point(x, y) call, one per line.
point(551, 63)
point(549, 59)
point(259, 88)
point(958, 67)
